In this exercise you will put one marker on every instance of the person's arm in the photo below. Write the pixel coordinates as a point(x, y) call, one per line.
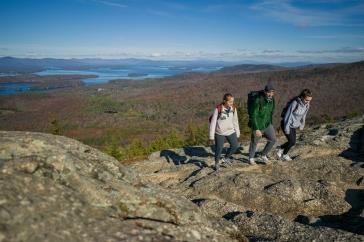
point(255, 112)
point(213, 125)
point(288, 116)
point(303, 120)
point(236, 123)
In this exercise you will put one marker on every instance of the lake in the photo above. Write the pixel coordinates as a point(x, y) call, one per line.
point(132, 73)
point(106, 74)
point(13, 88)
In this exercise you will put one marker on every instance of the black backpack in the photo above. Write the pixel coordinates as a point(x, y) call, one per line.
point(284, 111)
point(251, 99)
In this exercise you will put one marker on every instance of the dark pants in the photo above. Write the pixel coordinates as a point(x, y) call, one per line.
point(269, 134)
point(291, 139)
point(219, 145)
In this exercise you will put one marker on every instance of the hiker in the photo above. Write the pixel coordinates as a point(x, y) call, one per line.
point(293, 117)
point(261, 107)
point(224, 124)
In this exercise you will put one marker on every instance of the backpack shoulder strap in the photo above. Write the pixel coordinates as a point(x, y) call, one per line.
point(261, 99)
point(219, 108)
point(296, 99)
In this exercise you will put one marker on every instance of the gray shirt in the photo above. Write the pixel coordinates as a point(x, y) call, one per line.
point(295, 116)
point(226, 125)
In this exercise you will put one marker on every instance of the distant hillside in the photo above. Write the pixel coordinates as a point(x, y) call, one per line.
point(26, 65)
point(29, 65)
point(249, 68)
point(326, 65)
point(253, 68)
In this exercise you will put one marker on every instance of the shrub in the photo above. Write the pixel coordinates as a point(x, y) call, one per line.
point(196, 135)
point(56, 127)
point(352, 115)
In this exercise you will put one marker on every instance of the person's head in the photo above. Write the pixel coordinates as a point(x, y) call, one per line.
point(269, 90)
point(306, 96)
point(228, 100)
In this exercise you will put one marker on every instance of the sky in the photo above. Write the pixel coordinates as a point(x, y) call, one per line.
point(230, 30)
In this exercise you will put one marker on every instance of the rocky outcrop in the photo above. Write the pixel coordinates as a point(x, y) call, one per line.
point(268, 227)
point(54, 188)
point(317, 196)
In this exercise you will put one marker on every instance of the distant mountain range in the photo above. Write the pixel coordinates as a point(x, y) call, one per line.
point(28, 65)
point(248, 68)
point(251, 68)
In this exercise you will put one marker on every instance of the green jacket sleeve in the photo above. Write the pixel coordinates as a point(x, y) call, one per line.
point(255, 112)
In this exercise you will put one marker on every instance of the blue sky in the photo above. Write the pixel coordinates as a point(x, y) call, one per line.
point(267, 30)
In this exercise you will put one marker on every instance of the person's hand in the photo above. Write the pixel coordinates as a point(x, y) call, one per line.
point(211, 142)
point(258, 133)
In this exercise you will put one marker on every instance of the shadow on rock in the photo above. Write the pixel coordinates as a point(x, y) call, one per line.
point(199, 163)
point(356, 150)
point(172, 156)
point(231, 215)
point(176, 159)
point(196, 151)
point(352, 221)
point(225, 150)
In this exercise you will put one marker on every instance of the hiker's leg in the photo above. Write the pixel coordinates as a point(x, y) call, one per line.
point(270, 134)
point(291, 137)
point(253, 144)
point(219, 144)
point(284, 146)
point(233, 141)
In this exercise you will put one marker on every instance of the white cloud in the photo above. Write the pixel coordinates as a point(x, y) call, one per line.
point(285, 11)
point(346, 50)
point(110, 3)
point(346, 54)
point(156, 55)
point(159, 13)
point(269, 51)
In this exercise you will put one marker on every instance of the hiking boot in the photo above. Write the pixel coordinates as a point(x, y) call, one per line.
point(265, 159)
point(217, 165)
point(286, 158)
point(279, 153)
point(227, 161)
point(252, 161)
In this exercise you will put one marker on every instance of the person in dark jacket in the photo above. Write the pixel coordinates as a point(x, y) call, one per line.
point(261, 123)
point(294, 118)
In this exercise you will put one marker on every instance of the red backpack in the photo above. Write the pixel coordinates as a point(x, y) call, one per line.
point(219, 110)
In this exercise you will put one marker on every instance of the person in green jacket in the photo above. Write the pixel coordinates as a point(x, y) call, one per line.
point(261, 123)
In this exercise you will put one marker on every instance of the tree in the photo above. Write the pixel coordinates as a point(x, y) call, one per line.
point(56, 127)
point(196, 135)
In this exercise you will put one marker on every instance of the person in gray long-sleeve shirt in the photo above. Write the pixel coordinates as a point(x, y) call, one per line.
point(224, 124)
point(294, 118)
